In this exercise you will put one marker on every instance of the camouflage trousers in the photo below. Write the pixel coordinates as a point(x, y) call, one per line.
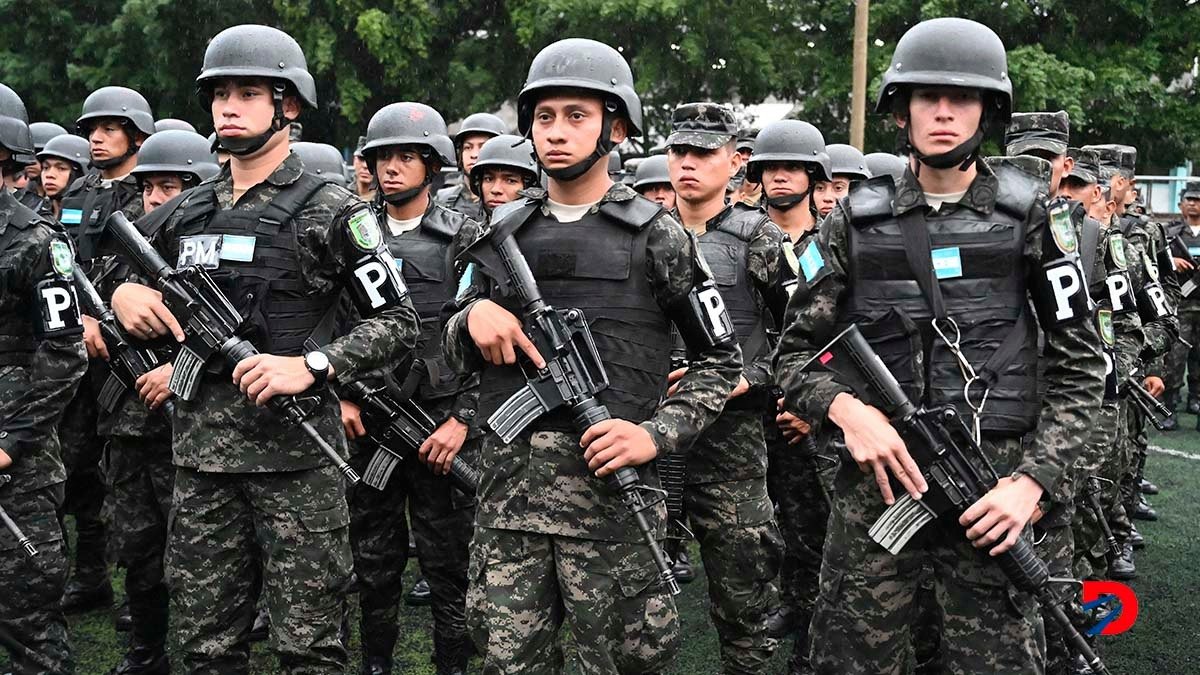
point(1055, 544)
point(231, 533)
point(525, 584)
point(442, 520)
point(141, 481)
point(82, 450)
point(864, 613)
point(802, 512)
point(1137, 443)
point(741, 549)
point(30, 613)
point(1097, 470)
point(1183, 359)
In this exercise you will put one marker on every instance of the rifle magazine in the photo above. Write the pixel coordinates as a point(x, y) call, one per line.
point(518, 412)
point(185, 378)
point(900, 522)
point(380, 468)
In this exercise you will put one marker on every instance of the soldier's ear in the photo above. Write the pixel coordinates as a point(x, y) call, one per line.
point(291, 106)
point(620, 131)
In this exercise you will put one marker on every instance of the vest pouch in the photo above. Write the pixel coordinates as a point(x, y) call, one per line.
point(245, 293)
point(896, 338)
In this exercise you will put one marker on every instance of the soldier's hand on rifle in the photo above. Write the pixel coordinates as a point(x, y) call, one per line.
point(1154, 385)
point(1183, 265)
point(92, 339)
point(793, 428)
point(439, 450)
point(265, 376)
point(614, 443)
point(1000, 515)
point(152, 387)
point(498, 334)
point(876, 447)
point(141, 311)
point(352, 420)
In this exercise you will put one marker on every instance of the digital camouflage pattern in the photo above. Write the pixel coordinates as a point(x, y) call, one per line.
point(862, 618)
point(1182, 358)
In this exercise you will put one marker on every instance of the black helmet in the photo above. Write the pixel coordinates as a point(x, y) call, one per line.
point(177, 151)
point(251, 50)
point(579, 63)
point(949, 52)
point(172, 123)
point(652, 171)
point(14, 127)
point(68, 147)
point(43, 132)
point(322, 160)
point(480, 123)
point(411, 124)
point(847, 161)
point(746, 138)
point(886, 164)
point(119, 102)
point(789, 141)
point(505, 151)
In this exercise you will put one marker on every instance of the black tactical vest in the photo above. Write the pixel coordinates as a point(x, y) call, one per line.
point(726, 249)
point(457, 199)
point(267, 289)
point(1189, 240)
point(87, 205)
point(426, 261)
point(597, 265)
point(983, 285)
point(17, 342)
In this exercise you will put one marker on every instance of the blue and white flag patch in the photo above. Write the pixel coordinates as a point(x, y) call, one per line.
point(947, 263)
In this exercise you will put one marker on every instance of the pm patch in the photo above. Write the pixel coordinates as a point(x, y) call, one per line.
point(364, 231)
point(1062, 229)
point(200, 249)
point(57, 309)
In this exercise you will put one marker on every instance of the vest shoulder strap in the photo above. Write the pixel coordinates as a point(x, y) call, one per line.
point(292, 198)
point(871, 200)
point(1089, 242)
point(447, 195)
point(442, 222)
point(152, 222)
point(508, 218)
point(743, 223)
point(1017, 189)
point(634, 214)
point(23, 217)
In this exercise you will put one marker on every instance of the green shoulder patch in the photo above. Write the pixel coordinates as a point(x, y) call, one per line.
point(1116, 250)
point(62, 258)
point(1105, 324)
point(1063, 229)
point(364, 230)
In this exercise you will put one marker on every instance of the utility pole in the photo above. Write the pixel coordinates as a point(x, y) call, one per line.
point(858, 92)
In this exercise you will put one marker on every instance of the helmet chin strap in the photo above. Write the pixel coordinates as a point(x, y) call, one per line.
point(248, 146)
point(604, 145)
point(405, 196)
point(963, 155)
point(787, 202)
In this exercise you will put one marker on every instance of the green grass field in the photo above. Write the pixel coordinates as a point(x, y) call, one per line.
point(1165, 640)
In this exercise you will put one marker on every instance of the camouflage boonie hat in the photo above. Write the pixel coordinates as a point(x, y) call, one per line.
point(746, 138)
point(1191, 190)
point(1111, 159)
point(702, 125)
point(1048, 131)
point(1128, 161)
point(1087, 165)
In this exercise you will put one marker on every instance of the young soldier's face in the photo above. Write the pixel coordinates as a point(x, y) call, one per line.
point(159, 188)
point(699, 174)
point(780, 179)
point(566, 127)
point(942, 118)
point(1190, 207)
point(660, 193)
point(108, 139)
point(398, 169)
point(828, 192)
point(468, 152)
point(33, 170)
point(500, 186)
point(56, 175)
point(362, 172)
point(243, 108)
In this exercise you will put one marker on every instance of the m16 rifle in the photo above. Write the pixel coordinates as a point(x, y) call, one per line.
point(126, 363)
point(571, 379)
point(210, 325)
point(22, 541)
point(1152, 408)
point(953, 464)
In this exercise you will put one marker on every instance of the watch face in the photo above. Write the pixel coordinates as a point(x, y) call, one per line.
point(317, 361)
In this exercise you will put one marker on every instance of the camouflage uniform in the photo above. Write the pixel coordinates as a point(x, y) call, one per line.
point(1181, 358)
point(862, 617)
point(441, 514)
point(34, 390)
point(87, 203)
point(550, 536)
point(255, 501)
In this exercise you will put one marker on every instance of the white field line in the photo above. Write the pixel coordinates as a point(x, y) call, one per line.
point(1174, 453)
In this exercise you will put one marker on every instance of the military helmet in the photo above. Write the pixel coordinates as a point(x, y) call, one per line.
point(746, 138)
point(950, 52)
point(119, 102)
point(177, 151)
point(43, 132)
point(885, 164)
point(652, 171)
point(172, 123)
point(789, 141)
point(579, 63)
point(68, 147)
point(508, 152)
point(14, 126)
point(250, 50)
point(321, 160)
point(847, 161)
point(480, 123)
point(408, 123)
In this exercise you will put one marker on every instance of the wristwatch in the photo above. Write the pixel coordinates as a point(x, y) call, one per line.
point(318, 364)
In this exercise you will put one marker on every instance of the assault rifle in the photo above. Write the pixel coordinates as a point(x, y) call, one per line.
point(571, 379)
point(126, 363)
point(954, 466)
point(1152, 408)
point(1092, 491)
point(398, 427)
point(210, 325)
point(22, 540)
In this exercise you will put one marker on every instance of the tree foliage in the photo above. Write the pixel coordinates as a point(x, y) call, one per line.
point(1124, 69)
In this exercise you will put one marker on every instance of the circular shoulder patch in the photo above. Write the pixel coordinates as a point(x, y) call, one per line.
point(364, 230)
point(62, 258)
